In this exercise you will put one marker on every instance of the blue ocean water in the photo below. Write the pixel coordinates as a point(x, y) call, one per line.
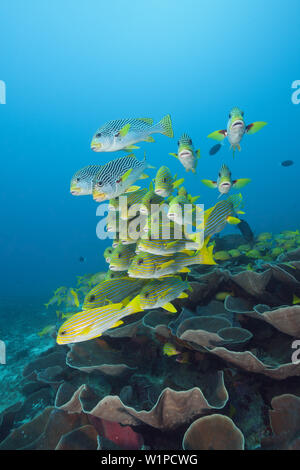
point(70, 66)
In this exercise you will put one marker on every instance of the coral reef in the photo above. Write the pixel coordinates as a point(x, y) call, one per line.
point(229, 381)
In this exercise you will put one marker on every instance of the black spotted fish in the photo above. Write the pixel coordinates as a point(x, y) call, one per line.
point(122, 134)
point(236, 129)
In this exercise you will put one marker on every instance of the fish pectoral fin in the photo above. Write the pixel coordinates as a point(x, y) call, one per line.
point(124, 131)
point(218, 135)
point(126, 175)
point(209, 183)
point(183, 295)
point(171, 244)
point(174, 155)
point(254, 127)
point(169, 307)
point(131, 189)
point(233, 220)
point(198, 153)
point(167, 264)
point(178, 183)
point(240, 183)
point(143, 176)
point(188, 252)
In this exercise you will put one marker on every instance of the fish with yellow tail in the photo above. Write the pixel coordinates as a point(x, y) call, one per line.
point(164, 183)
point(224, 182)
point(119, 290)
point(167, 247)
point(236, 129)
point(146, 265)
point(223, 212)
point(121, 257)
point(187, 155)
point(161, 292)
point(89, 324)
point(122, 134)
point(117, 177)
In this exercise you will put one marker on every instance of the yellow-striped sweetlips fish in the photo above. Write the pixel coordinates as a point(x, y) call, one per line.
point(89, 324)
point(167, 247)
point(82, 181)
point(187, 155)
point(220, 214)
point(119, 290)
point(122, 134)
point(164, 183)
point(150, 201)
point(236, 129)
point(107, 253)
point(160, 293)
point(147, 265)
point(121, 257)
point(117, 176)
point(224, 182)
point(125, 201)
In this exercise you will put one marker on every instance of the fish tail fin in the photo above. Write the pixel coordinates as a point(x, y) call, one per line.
point(134, 305)
point(166, 126)
point(205, 255)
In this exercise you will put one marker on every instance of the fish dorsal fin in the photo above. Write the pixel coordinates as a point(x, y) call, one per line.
point(147, 120)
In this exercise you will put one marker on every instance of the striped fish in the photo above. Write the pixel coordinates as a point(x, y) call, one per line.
point(187, 155)
point(82, 181)
point(119, 290)
point(166, 247)
point(89, 324)
point(160, 293)
point(216, 218)
point(224, 182)
point(116, 177)
point(164, 183)
point(150, 201)
point(107, 253)
point(121, 257)
point(129, 203)
point(146, 265)
point(236, 129)
point(122, 134)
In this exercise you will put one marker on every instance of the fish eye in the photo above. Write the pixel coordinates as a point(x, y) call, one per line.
point(77, 179)
point(92, 298)
point(190, 141)
point(63, 332)
point(98, 134)
point(242, 113)
point(140, 261)
point(147, 295)
point(178, 143)
point(164, 180)
point(119, 255)
point(100, 183)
